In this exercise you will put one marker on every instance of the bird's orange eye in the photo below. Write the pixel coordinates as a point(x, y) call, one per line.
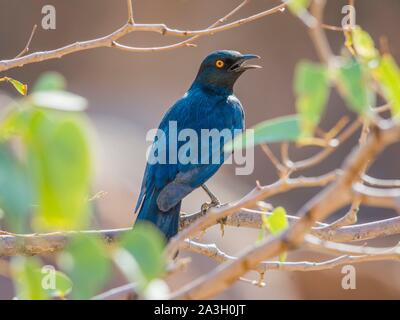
point(219, 64)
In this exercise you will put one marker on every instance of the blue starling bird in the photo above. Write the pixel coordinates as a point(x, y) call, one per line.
point(208, 104)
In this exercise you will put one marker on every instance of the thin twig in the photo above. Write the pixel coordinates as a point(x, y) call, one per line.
point(130, 12)
point(26, 48)
point(110, 40)
point(349, 218)
point(326, 151)
point(282, 170)
point(335, 248)
point(285, 154)
point(317, 33)
point(212, 251)
point(332, 28)
point(187, 42)
point(382, 183)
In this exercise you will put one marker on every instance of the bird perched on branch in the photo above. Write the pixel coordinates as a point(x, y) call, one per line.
point(208, 104)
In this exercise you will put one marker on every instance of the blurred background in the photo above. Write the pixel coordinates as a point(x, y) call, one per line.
point(129, 92)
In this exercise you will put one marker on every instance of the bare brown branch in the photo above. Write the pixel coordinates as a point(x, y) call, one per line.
point(216, 214)
point(322, 205)
point(213, 252)
point(26, 48)
point(111, 39)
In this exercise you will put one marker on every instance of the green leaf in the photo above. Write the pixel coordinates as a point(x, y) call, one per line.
point(15, 190)
point(27, 279)
point(296, 6)
point(36, 282)
point(86, 262)
point(312, 89)
point(280, 129)
point(60, 165)
point(20, 87)
point(50, 81)
point(63, 285)
point(15, 121)
point(55, 283)
point(146, 245)
point(388, 74)
point(364, 44)
point(354, 87)
point(59, 100)
point(277, 221)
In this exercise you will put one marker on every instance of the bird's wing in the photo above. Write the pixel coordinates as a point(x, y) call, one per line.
point(183, 184)
point(175, 181)
point(191, 176)
point(158, 175)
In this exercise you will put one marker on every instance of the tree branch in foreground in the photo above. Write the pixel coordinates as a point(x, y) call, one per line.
point(48, 243)
point(330, 199)
point(213, 252)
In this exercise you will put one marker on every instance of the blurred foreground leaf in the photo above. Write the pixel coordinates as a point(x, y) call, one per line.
point(86, 262)
point(296, 6)
point(59, 100)
point(157, 289)
point(28, 279)
point(59, 161)
point(354, 87)
point(15, 190)
point(62, 285)
point(388, 74)
point(364, 44)
point(280, 129)
point(311, 85)
point(146, 244)
point(33, 281)
point(49, 81)
point(55, 147)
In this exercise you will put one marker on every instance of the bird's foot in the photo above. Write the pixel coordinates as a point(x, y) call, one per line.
point(205, 207)
point(208, 205)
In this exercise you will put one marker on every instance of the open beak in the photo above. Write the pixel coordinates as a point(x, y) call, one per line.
point(241, 65)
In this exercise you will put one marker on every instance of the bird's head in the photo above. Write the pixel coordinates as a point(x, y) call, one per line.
point(220, 69)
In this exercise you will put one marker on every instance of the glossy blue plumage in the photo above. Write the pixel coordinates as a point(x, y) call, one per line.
point(208, 104)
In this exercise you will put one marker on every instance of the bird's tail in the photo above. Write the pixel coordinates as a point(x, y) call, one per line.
point(167, 222)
